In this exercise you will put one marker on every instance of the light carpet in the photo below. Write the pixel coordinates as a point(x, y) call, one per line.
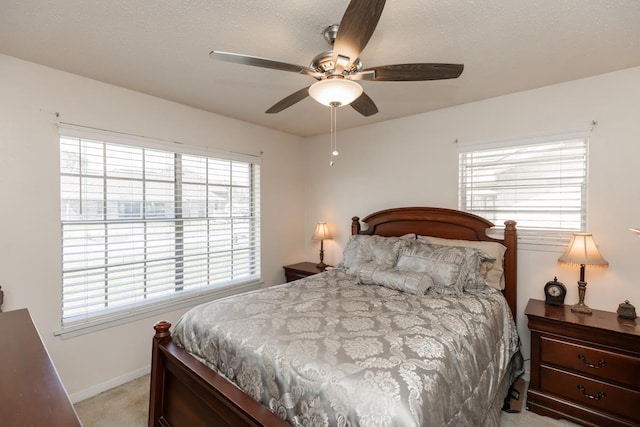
point(127, 406)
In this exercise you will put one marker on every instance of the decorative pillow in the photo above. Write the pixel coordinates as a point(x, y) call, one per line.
point(453, 269)
point(478, 264)
point(361, 249)
point(392, 278)
point(495, 275)
point(443, 268)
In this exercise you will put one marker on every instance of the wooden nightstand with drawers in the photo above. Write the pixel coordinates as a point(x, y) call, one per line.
point(584, 368)
point(301, 270)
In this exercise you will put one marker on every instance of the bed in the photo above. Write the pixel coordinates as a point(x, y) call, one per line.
point(348, 377)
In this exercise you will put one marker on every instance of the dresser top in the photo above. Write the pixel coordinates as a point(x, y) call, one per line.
point(32, 393)
point(604, 320)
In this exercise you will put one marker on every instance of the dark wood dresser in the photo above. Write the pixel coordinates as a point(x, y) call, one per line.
point(301, 270)
point(584, 368)
point(31, 393)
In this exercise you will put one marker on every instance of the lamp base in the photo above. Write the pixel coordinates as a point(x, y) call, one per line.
point(321, 265)
point(581, 308)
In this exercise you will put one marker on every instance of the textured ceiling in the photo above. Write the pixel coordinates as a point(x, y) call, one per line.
point(161, 48)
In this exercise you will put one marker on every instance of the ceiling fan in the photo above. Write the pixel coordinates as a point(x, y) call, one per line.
point(337, 70)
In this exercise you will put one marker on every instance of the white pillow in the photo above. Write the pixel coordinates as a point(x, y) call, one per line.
point(495, 276)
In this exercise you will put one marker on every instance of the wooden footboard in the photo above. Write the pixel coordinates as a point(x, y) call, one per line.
point(186, 393)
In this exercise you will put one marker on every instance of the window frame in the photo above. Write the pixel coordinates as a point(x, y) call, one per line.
point(539, 238)
point(88, 322)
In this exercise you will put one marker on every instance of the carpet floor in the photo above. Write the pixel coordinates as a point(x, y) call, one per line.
point(127, 406)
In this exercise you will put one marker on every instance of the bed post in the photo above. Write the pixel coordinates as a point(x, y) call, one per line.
point(510, 266)
point(355, 225)
point(161, 336)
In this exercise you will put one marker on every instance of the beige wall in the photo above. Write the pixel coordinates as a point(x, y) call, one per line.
point(413, 162)
point(30, 255)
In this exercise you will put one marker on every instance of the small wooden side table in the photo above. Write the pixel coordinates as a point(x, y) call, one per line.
point(584, 368)
point(301, 270)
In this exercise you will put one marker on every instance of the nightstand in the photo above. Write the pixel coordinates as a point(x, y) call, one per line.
point(584, 368)
point(301, 270)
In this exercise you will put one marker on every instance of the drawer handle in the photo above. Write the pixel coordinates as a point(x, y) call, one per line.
point(599, 396)
point(600, 364)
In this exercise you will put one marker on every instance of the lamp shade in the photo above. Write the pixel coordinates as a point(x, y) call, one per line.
point(582, 250)
point(322, 232)
point(337, 91)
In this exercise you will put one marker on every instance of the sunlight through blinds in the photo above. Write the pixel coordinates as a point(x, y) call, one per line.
point(142, 223)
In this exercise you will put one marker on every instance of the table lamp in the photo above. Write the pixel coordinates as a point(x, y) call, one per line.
point(582, 251)
point(322, 233)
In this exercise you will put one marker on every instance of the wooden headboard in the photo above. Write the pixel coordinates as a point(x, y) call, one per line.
point(449, 224)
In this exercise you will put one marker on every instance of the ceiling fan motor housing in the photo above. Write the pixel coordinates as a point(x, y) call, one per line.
point(323, 62)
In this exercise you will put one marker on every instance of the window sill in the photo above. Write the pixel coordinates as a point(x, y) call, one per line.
point(546, 247)
point(538, 241)
point(133, 314)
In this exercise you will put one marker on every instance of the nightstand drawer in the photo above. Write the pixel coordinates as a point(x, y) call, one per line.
point(590, 392)
point(592, 361)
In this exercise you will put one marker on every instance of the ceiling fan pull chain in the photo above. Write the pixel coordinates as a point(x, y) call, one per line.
point(332, 111)
point(333, 141)
point(334, 148)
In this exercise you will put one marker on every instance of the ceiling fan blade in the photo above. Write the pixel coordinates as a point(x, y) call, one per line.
point(412, 72)
point(364, 105)
point(263, 62)
point(289, 101)
point(356, 28)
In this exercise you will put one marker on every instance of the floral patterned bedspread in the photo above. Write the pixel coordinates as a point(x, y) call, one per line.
point(328, 351)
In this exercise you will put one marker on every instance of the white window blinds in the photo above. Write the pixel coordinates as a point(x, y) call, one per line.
point(539, 182)
point(144, 221)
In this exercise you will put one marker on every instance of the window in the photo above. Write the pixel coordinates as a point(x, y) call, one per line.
point(145, 222)
point(539, 182)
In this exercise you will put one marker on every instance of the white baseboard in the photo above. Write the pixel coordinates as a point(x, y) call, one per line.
point(108, 385)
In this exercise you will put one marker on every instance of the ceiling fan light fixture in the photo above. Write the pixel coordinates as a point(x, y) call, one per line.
point(335, 92)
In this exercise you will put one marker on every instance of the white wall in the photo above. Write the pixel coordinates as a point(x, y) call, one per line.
point(30, 256)
point(413, 162)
